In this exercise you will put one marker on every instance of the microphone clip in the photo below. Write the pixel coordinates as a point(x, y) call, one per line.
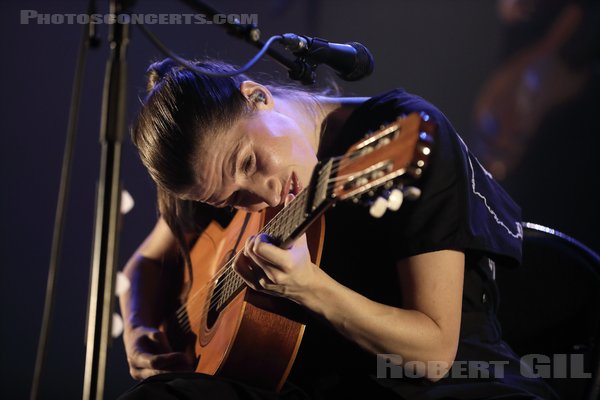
point(303, 71)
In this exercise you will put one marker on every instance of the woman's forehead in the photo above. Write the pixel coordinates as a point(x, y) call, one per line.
point(216, 166)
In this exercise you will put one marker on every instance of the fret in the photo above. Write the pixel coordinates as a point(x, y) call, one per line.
point(322, 185)
point(227, 289)
point(288, 220)
point(281, 228)
point(221, 287)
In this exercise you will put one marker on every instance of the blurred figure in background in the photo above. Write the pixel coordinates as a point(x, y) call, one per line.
point(536, 121)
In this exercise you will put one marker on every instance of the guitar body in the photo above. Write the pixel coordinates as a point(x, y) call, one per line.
point(255, 337)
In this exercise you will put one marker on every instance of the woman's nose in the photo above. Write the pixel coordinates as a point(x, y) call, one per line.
point(268, 189)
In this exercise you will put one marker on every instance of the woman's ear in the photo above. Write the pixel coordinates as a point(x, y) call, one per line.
point(258, 95)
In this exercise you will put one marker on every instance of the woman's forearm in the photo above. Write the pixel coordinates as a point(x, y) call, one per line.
point(379, 328)
point(144, 302)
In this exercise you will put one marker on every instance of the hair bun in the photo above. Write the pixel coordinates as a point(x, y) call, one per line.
point(157, 71)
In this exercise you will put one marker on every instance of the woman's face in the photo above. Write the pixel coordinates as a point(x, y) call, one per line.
point(255, 164)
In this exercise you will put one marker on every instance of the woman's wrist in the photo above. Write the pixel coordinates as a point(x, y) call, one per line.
point(316, 294)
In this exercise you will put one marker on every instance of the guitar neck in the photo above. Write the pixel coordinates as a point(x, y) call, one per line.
point(289, 223)
point(293, 220)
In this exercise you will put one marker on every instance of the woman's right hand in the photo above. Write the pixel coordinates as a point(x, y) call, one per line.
point(149, 353)
point(143, 307)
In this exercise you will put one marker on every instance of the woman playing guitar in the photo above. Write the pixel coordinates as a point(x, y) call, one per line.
point(415, 287)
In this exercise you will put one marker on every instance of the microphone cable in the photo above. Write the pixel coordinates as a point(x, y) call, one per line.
point(184, 63)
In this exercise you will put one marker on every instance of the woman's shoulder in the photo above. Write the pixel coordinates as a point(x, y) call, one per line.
point(362, 115)
point(397, 100)
point(388, 106)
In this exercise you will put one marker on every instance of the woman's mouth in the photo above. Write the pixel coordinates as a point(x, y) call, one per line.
point(293, 186)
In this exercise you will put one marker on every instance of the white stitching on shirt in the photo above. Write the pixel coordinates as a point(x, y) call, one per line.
point(519, 234)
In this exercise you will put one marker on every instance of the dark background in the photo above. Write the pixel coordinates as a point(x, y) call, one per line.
point(442, 50)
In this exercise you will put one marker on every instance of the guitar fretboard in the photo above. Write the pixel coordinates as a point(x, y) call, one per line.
point(280, 229)
point(286, 226)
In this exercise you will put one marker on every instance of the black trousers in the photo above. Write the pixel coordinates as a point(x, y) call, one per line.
point(195, 386)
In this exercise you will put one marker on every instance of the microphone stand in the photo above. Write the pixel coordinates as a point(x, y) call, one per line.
point(104, 256)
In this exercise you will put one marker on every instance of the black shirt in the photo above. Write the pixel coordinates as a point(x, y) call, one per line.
point(461, 208)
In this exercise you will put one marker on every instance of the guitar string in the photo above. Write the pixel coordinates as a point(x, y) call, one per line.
point(223, 270)
point(214, 299)
point(219, 277)
point(227, 271)
point(222, 285)
point(224, 273)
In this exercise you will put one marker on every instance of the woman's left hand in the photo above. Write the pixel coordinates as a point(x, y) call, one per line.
point(270, 269)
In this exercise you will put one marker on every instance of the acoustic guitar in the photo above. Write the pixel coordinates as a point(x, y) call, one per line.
point(254, 337)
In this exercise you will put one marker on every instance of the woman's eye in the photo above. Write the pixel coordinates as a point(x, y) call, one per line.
point(248, 164)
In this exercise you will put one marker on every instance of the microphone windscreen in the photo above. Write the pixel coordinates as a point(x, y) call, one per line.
point(364, 63)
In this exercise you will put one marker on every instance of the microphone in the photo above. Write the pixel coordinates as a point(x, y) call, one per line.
point(351, 61)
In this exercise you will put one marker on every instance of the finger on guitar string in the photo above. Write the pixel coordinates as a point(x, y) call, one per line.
point(242, 267)
point(251, 271)
point(143, 365)
point(271, 267)
point(266, 254)
point(268, 265)
point(149, 353)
